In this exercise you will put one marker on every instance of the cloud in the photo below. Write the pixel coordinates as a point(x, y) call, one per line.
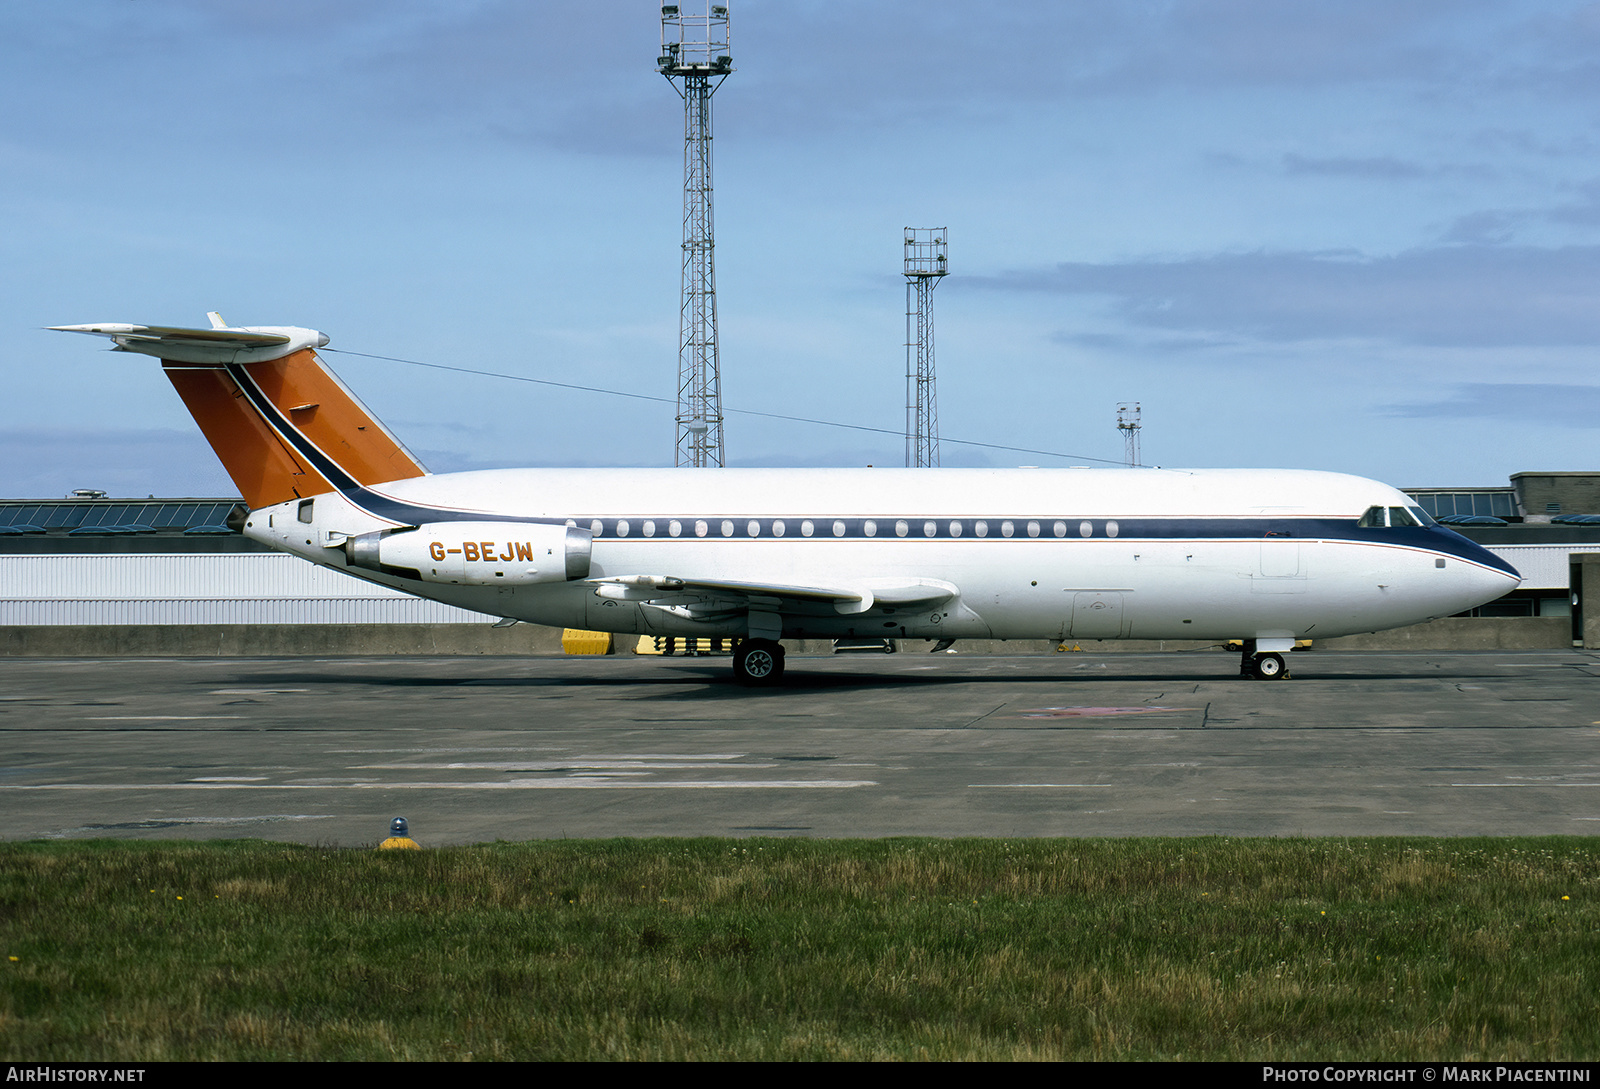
point(1488, 227)
point(1382, 167)
point(1584, 211)
point(1457, 296)
point(49, 462)
point(582, 76)
point(1562, 405)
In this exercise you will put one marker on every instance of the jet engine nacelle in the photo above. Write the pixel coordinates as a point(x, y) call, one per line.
point(476, 553)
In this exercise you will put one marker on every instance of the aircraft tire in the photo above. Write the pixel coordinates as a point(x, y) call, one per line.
point(758, 663)
point(1270, 667)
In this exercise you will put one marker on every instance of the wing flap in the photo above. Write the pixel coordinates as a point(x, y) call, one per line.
point(657, 587)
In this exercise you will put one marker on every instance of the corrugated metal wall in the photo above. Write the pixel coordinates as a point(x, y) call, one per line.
point(1543, 567)
point(249, 588)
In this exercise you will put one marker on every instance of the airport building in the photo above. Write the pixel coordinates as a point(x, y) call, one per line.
point(93, 560)
point(1537, 524)
point(84, 566)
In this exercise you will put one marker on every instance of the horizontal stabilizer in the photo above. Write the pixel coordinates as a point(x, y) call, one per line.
point(208, 347)
point(281, 422)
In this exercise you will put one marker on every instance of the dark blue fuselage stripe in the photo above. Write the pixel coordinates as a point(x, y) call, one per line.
point(1434, 539)
point(1429, 538)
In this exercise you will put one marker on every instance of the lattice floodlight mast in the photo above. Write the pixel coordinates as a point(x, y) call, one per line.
point(926, 260)
point(1128, 424)
point(695, 59)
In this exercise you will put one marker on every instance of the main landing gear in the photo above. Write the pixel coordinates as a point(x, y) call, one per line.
point(1269, 666)
point(758, 663)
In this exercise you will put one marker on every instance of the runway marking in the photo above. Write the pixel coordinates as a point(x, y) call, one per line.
point(1097, 712)
point(1039, 786)
point(229, 779)
point(511, 784)
point(155, 718)
point(553, 765)
point(602, 784)
point(661, 756)
point(255, 691)
point(437, 749)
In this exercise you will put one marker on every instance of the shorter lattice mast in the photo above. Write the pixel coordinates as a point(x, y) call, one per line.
point(926, 261)
point(1128, 424)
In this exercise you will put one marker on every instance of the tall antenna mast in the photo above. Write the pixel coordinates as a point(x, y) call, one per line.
point(1128, 424)
point(695, 59)
point(926, 261)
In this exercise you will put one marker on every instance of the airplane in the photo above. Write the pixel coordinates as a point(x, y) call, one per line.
point(1266, 557)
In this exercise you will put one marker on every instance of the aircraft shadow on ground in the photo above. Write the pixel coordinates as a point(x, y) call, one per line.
point(715, 679)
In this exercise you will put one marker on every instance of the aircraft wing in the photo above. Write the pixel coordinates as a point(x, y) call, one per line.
point(733, 595)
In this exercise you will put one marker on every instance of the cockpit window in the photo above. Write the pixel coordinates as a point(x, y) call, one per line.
point(1422, 516)
point(1399, 516)
point(1375, 518)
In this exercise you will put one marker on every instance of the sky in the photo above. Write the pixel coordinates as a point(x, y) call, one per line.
point(1351, 235)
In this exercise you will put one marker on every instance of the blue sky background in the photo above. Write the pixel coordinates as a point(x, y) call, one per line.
point(1355, 236)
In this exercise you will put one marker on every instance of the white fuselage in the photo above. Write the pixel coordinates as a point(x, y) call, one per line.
point(1028, 553)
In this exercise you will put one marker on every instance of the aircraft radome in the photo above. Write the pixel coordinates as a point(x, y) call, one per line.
point(755, 555)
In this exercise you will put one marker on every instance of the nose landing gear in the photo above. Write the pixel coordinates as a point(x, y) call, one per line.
point(1269, 666)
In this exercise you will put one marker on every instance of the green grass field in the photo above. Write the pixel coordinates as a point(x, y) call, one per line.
point(800, 949)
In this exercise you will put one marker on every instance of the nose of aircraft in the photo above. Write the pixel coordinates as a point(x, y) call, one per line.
point(1490, 583)
point(1479, 576)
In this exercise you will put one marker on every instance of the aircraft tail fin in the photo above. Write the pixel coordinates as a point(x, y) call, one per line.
point(281, 422)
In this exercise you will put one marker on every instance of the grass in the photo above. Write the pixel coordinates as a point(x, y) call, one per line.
point(1273, 949)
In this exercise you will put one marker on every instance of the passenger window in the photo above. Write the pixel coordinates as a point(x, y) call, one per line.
point(1375, 518)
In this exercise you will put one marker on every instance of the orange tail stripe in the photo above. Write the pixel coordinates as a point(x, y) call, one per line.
point(263, 467)
point(322, 410)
